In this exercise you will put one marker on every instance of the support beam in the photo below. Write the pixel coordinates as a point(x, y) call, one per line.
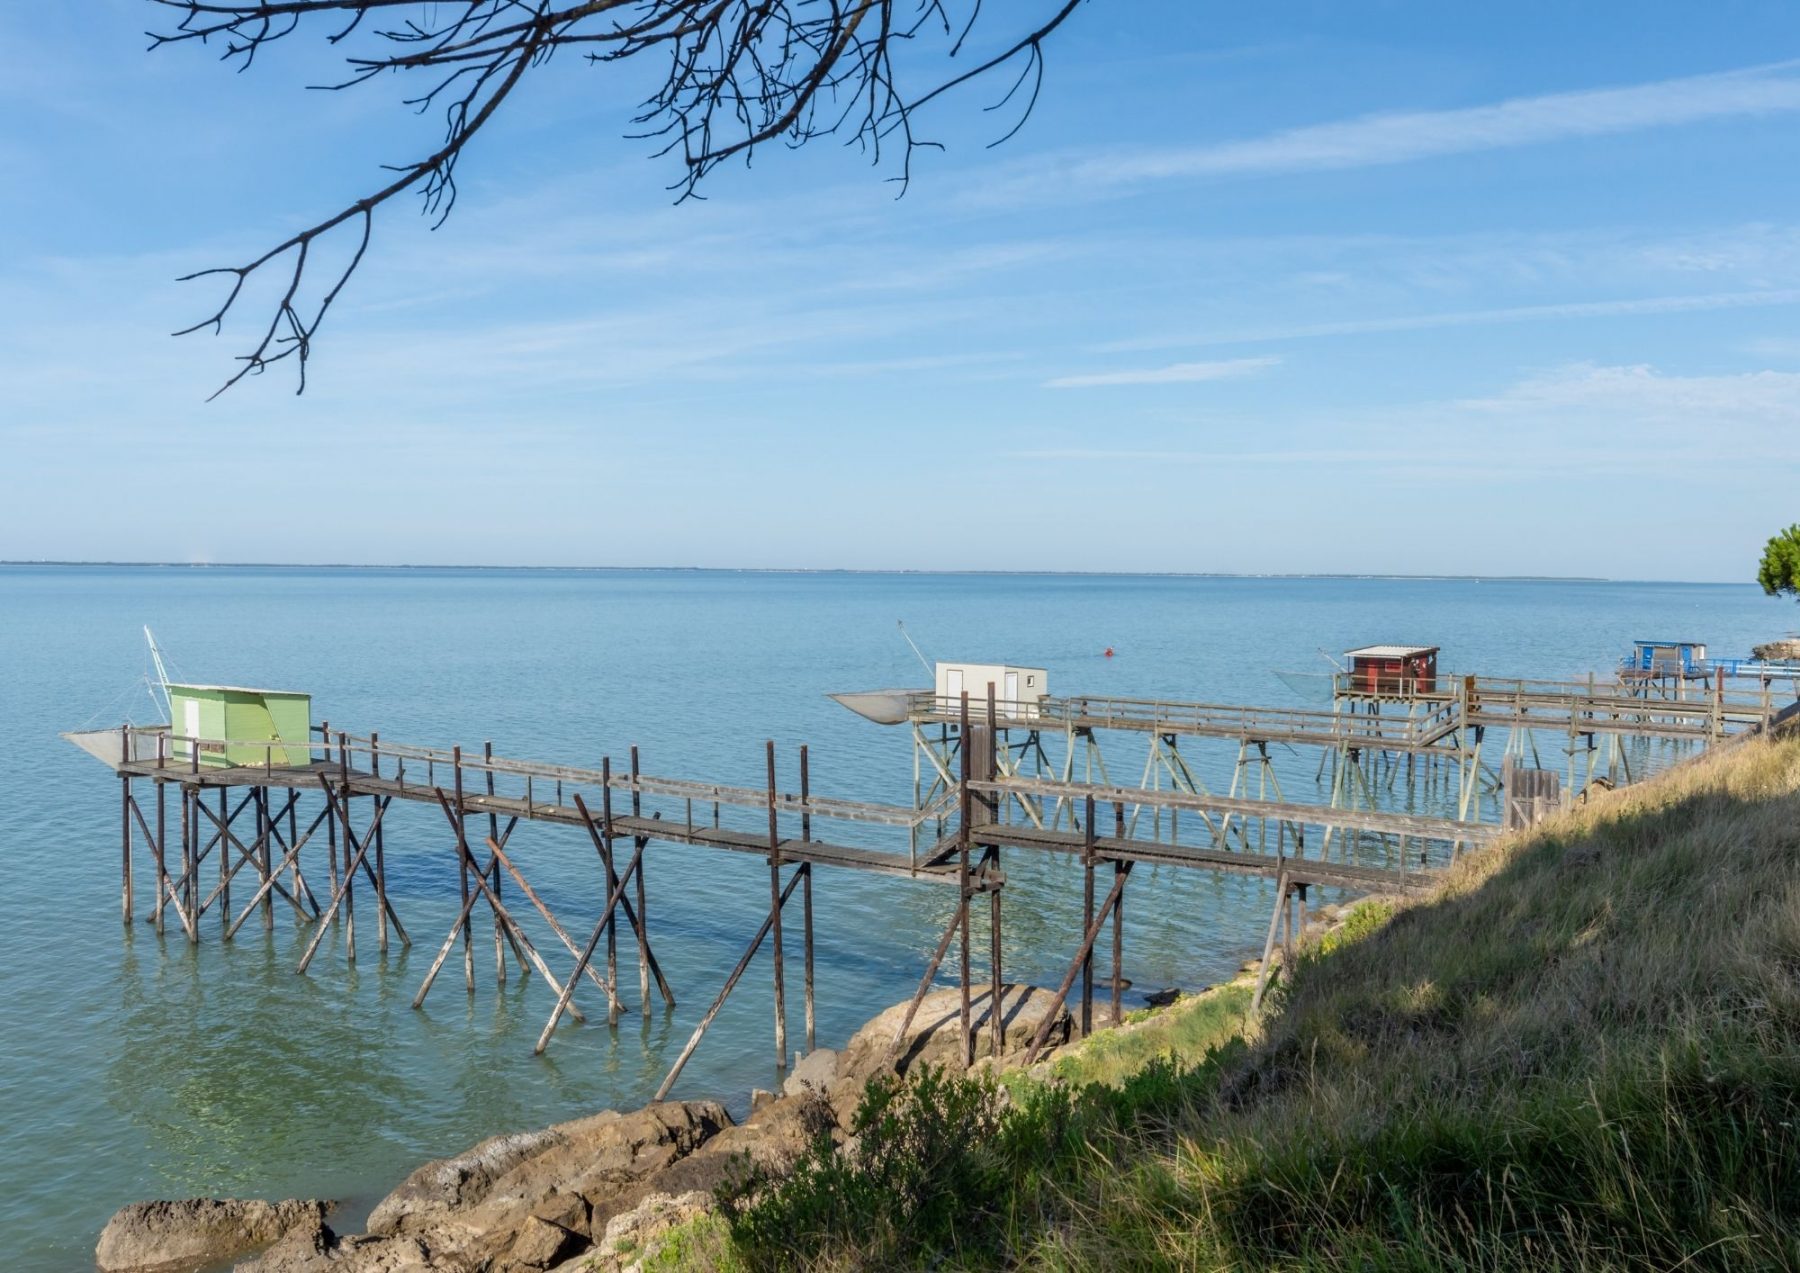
point(743, 962)
point(479, 876)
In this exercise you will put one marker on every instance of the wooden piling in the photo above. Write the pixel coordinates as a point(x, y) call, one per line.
point(605, 845)
point(1087, 917)
point(806, 898)
point(743, 962)
point(775, 897)
point(966, 805)
point(381, 911)
point(348, 908)
point(125, 846)
point(487, 760)
point(462, 867)
point(162, 862)
point(640, 922)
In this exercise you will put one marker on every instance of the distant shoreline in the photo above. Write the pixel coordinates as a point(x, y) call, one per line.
point(849, 570)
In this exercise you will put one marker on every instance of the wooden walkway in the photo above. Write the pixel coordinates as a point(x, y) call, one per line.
point(242, 823)
point(1436, 717)
point(407, 765)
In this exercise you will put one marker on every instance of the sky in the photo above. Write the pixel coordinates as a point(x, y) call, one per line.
point(1328, 287)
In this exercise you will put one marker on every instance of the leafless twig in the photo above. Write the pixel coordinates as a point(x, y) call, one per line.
point(741, 74)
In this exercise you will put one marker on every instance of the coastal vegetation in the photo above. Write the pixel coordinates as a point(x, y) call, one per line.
point(1582, 1052)
point(1779, 570)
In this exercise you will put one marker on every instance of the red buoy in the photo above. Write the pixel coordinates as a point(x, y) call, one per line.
point(1109, 653)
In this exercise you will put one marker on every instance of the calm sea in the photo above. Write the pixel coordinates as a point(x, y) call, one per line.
point(136, 1067)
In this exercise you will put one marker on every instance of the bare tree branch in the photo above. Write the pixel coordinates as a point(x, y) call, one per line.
point(741, 74)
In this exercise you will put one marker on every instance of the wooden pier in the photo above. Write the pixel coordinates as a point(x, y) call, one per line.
point(311, 837)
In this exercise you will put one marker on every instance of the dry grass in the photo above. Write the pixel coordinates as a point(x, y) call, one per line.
point(1584, 1053)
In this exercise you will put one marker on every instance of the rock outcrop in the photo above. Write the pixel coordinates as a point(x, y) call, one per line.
point(593, 1192)
point(1786, 648)
point(633, 1239)
point(196, 1231)
point(544, 1200)
point(935, 1034)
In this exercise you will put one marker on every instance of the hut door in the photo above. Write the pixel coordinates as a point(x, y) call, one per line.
point(953, 683)
point(1012, 687)
point(191, 718)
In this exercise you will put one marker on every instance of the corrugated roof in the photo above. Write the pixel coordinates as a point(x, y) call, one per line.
point(237, 689)
point(1390, 651)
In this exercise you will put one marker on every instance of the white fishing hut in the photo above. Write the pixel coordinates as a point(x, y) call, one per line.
point(1017, 690)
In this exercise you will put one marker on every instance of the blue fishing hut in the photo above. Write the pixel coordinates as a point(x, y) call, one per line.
point(1668, 658)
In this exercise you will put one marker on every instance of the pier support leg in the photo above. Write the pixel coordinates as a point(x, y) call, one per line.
point(743, 962)
point(806, 905)
point(265, 827)
point(479, 876)
point(498, 849)
point(356, 853)
point(161, 846)
point(190, 860)
point(462, 867)
point(1087, 919)
point(962, 884)
point(302, 896)
point(615, 899)
point(603, 836)
point(806, 914)
point(775, 899)
point(347, 899)
point(381, 911)
point(1262, 973)
point(991, 880)
point(487, 756)
point(1120, 870)
point(1083, 957)
point(639, 922)
point(931, 972)
point(125, 803)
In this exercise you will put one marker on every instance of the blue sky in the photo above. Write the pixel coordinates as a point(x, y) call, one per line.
point(1290, 287)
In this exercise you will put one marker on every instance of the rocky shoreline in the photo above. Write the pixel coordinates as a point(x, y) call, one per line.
point(596, 1194)
point(590, 1194)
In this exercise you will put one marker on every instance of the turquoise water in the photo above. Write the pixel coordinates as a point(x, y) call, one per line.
point(134, 1066)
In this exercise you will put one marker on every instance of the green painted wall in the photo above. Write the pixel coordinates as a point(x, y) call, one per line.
point(245, 721)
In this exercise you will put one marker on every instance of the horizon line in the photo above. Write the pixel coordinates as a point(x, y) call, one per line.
point(846, 570)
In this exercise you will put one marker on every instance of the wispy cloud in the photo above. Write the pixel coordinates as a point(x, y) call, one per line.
point(1748, 402)
point(1176, 373)
point(1520, 121)
point(1621, 307)
point(1129, 456)
point(1402, 137)
point(1590, 417)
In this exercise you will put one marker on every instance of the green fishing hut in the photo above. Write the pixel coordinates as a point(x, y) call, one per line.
point(238, 726)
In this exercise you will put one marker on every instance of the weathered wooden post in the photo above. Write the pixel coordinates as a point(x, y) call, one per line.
point(1087, 917)
point(781, 1060)
point(462, 868)
point(349, 902)
point(806, 903)
point(125, 842)
point(966, 807)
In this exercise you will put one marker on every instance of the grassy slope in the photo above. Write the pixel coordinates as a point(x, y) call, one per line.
point(1585, 1053)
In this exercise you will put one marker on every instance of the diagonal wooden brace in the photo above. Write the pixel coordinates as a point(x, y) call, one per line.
point(483, 890)
point(563, 1001)
point(631, 915)
point(1068, 982)
point(362, 846)
point(730, 982)
point(549, 918)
